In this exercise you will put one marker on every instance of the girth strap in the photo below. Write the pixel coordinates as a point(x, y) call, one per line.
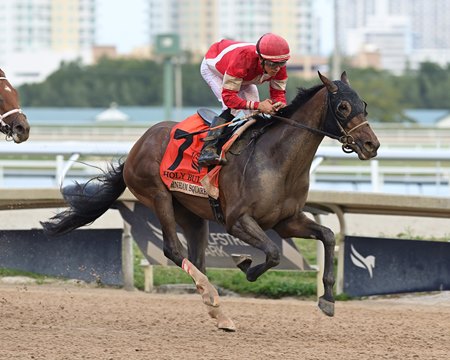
point(217, 210)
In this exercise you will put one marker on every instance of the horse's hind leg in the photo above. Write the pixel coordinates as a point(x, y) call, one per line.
point(167, 215)
point(247, 230)
point(162, 205)
point(196, 230)
point(303, 227)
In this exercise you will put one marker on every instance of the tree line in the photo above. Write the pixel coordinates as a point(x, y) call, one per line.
point(131, 82)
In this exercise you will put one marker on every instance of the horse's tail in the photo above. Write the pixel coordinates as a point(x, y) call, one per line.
point(87, 202)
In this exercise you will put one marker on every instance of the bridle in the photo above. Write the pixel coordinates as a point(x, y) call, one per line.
point(345, 137)
point(4, 127)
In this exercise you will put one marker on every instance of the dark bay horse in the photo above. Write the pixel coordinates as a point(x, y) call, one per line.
point(264, 186)
point(13, 122)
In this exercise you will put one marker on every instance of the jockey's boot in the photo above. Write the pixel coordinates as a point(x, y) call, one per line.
point(209, 154)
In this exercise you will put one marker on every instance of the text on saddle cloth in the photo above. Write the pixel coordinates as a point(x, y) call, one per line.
point(179, 168)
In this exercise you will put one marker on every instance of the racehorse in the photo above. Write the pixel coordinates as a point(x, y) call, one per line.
point(13, 122)
point(264, 186)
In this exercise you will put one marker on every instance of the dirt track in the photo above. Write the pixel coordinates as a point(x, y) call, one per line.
point(69, 322)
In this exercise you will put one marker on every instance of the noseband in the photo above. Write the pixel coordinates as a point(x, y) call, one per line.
point(4, 127)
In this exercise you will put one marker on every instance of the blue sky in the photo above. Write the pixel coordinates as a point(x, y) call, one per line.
point(123, 23)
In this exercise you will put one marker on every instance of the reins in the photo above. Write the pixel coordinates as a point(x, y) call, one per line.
point(302, 126)
point(345, 138)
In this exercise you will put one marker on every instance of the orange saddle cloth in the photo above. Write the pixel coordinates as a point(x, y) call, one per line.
point(179, 168)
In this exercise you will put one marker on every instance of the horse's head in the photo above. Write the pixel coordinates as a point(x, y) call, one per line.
point(13, 121)
point(347, 118)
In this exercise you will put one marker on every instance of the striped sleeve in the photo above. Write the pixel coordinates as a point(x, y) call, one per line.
point(230, 90)
point(277, 86)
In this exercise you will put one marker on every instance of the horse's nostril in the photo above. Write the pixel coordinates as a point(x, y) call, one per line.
point(19, 129)
point(369, 146)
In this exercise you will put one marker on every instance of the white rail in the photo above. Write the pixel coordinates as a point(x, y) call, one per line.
point(57, 159)
point(119, 148)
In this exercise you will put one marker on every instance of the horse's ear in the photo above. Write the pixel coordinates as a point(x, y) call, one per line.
point(331, 86)
point(344, 78)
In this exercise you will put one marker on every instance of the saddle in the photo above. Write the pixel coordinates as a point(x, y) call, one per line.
point(207, 115)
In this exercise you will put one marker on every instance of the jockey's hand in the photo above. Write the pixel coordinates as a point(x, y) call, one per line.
point(278, 105)
point(266, 107)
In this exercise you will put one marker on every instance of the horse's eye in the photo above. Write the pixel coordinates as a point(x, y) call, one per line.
point(343, 107)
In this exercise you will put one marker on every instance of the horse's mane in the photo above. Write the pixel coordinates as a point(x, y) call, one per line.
point(303, 95)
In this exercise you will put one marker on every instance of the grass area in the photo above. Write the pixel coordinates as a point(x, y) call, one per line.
point(408, 234)
point(40, 279)
point(273, 284)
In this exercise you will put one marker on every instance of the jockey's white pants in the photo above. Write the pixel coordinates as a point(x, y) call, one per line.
point(215, 82)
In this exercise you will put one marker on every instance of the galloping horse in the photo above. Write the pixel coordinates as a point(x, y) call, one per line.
point(13, 122)
point(264, 186)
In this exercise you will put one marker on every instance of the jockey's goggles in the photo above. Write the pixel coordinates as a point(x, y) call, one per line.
point(273, 64)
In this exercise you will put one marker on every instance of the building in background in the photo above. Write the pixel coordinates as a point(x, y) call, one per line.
point(199, 23)
point(403, 33)
point(38, 34)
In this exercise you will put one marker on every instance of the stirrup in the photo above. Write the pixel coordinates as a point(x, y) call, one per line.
point(209, 157)
point(211, 162)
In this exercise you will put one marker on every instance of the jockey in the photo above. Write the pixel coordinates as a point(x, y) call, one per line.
point(233, 69)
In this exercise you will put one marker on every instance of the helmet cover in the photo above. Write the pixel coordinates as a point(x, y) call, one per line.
point(273, 47)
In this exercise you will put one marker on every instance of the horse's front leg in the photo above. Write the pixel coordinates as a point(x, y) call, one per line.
point(301, 226)
point(247, 230)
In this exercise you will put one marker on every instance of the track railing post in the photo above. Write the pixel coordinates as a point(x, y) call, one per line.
point(127, 258)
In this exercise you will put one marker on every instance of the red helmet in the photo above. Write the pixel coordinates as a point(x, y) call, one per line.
point(273, 48)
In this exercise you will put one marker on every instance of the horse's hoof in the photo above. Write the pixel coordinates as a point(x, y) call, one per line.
point(242, 261)
point(326, 306)
point(227, 325)
point(223, 321)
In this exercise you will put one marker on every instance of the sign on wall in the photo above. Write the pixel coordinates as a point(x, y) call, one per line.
point(375, 266)
point(146, 232)
point(93, 255)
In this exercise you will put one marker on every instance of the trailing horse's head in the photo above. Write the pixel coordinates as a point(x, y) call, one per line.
point(347, 118)
point(13, 121)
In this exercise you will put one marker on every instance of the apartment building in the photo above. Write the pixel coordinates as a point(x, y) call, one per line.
point(38, 34)
point(199, 23)
point(403, 32)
